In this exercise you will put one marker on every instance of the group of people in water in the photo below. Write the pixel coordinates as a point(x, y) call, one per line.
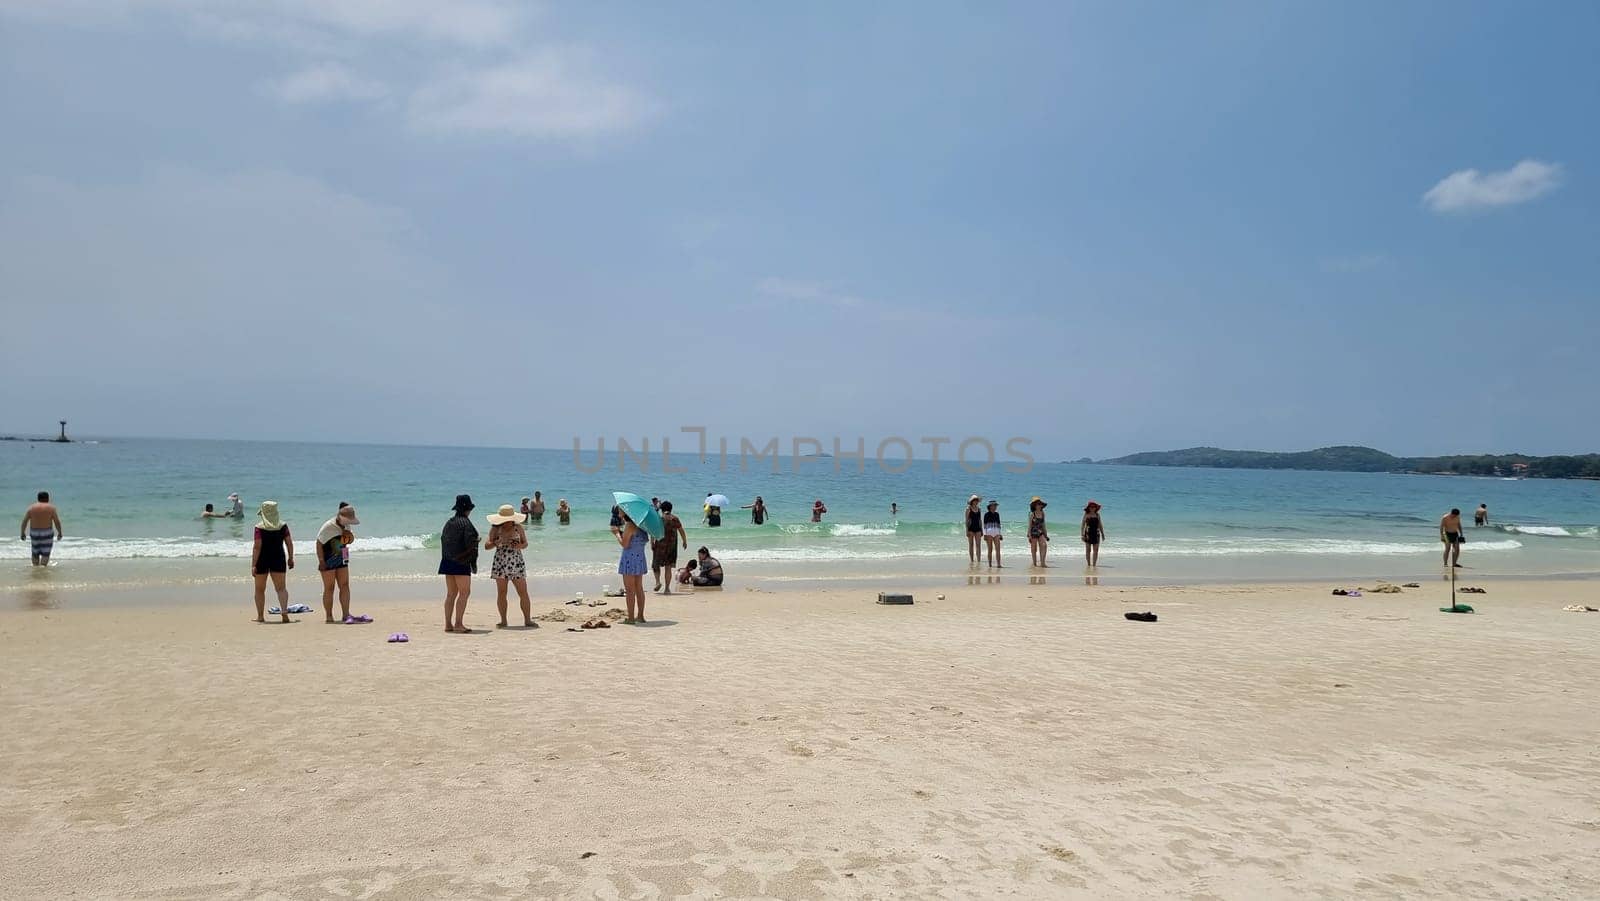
point(984, 528)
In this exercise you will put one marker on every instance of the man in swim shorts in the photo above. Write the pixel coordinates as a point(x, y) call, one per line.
point(41, 526)
point(1450, 534)
point(664, 553)
point(1481, 516)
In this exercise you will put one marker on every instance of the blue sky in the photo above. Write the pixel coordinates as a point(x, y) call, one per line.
point(1106, 227)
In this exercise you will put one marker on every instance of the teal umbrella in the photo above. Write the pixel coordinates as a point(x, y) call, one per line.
point(640, 511)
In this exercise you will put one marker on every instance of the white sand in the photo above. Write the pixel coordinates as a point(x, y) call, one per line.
point(1023, 740)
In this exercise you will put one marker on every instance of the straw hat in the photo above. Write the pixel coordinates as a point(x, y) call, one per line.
point(347, 515)
point(507, 513)
point(974, 498)
point(271, 521)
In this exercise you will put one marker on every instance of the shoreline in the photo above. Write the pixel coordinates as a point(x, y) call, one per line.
point(47, 593)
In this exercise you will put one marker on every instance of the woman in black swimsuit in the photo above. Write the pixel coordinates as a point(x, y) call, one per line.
point(974, 530)
point(1092, 530)
point(758, 511)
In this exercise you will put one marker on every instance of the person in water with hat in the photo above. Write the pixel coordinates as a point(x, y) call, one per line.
point(458, 560)
point(1038, 532)
point(271, 555)
point(1091, 530)
point(508, 540)
point(333, 563)
point(973, 517)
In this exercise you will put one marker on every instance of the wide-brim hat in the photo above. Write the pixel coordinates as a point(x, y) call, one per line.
point(348, 515)
point(1039, 501)
point(507, 513)
point(1092, 505)
point(271, 519)
point(463, 503)
point(975, 497)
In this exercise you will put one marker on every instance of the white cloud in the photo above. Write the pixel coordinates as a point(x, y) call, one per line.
point(325, 83)
point(541, 95)
point(1470, 189)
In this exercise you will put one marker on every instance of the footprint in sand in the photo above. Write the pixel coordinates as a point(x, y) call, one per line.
point(769, 717)
point(924, 795)
point(1059, 853)
point(800, 750)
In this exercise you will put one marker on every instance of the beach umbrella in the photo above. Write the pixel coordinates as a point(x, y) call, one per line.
point(718, 500)
point(640, 511)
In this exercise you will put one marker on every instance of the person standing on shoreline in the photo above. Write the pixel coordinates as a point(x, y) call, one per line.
point(271, 554)
point(632, 566)
point(1091, 530)
point(1038, 532)
point(41, 528)
point(664, 553)
point(333, 563)
point(458, 560)
point(1450, 533)
point(508, 540)
point(991, 533)
point(974, 520)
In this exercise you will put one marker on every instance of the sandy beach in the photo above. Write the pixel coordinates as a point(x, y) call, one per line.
point(1023, 740)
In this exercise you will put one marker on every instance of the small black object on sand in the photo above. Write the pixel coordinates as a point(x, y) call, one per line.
point(1145, 617)
point(894, 599)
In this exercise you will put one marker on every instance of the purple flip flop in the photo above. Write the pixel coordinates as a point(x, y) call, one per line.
point(353, 620)
point(399, 638)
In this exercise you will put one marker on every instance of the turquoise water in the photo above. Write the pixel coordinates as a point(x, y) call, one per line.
point(131, 509)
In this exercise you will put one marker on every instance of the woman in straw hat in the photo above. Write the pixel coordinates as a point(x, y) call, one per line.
point(458, 560)
point(272, 554)
point(1038, 532)
point(1092, 530)
point(973, 517)
point(509, 539)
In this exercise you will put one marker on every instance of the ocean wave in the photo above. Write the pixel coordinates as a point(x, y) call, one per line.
point(1550, 531)
point(1336, 547)
point(191, 548)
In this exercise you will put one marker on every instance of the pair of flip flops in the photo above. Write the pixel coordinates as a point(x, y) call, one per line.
point(1145, 617)
point(357, 620)
point(1352, 593)
point(399, 638)
point(293, 608)
point(1471, 590)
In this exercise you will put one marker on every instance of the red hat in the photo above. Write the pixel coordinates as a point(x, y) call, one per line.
point(1093, 504)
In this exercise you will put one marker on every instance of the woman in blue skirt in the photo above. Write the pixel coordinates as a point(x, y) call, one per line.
point(633, 566)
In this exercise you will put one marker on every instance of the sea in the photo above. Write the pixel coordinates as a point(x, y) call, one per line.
point(131, 510)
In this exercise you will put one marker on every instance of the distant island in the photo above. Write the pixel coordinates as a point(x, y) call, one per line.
point(1350, 458)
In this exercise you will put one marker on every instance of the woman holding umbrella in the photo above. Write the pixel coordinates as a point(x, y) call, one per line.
point(713, 509)
point(633, 566)
point(640, 523)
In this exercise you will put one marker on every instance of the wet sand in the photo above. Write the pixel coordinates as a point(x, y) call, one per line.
point(1258, 741)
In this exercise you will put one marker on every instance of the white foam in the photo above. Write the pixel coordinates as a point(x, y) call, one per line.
point(185, 548)
point(1552, 531)
point(851, 530)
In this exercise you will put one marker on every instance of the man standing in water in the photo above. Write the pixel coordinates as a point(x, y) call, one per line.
point(41, 526)
point(1481, 517)
point(1450, 534)
point(536, 509)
